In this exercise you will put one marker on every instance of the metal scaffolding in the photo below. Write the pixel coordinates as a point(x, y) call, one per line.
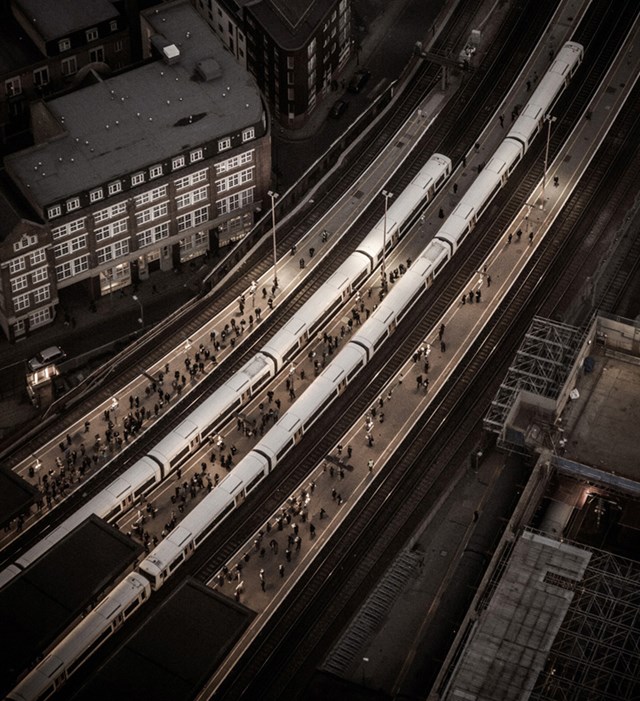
point(541, 366)
point(596, 653)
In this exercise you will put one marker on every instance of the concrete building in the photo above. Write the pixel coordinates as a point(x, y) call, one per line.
point(46, 48)
point(141, 172)
point(556, 614)
point(295, 50)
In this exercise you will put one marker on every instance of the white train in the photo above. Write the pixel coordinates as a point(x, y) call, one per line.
point(270, 450)
point(180, 544)
point(180, 443)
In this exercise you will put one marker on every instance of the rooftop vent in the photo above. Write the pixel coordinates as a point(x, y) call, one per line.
point(170, 52)
point(208, 69)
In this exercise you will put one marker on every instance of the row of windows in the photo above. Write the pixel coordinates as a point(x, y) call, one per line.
point(90, 35)
point(155, 212)
point(192, 179)
point(116, 186)
point(16, 265)
point(114, 210)
point(154, 171)
point(25, 242)
point(151, 195)
point(42, 294)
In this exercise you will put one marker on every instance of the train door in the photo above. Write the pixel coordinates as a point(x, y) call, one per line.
point(341, 385)
point(297, 436)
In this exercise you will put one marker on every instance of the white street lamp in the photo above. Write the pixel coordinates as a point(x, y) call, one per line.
point(549, 120)
point(141, 319)
point(274, 196)
point(383, 271)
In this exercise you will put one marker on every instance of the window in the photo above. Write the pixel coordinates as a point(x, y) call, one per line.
point(115, 187)
point(54, 211)
point(155, 212)
point(24, 242)
point(150, 236)
point(155, 171)
point(231, 181)
point(64, 45)
point(42, 294)
point(178, 162)
point(115, 250)
point(235, 162)
point(73, 204)
point(16, 265)
point(91, 34)
point(196, 155)
point(192, 197)
point(39, 256)
point(110, 212)
point(224, 144)
point(72, 267)
point(19, 283)
point(192, 179)
point(39, 318)
point(151, 195)
point(117, 47)
point(137, 179)
point(69, 228)
point(96, 55)
point(195, 218)
point(40, 275)
point(237, 201)
point(69, 66)
point(113, 25)
point(96, 195)
point(21, 302)
point(114, 229)
point(41, 76)
point(248, 134)
point(13, 86)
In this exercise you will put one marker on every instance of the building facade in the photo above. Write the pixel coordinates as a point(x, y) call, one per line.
point(295, 50)
point(49, 47)
point(141, 172)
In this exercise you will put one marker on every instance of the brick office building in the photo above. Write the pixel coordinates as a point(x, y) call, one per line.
point(138, 173)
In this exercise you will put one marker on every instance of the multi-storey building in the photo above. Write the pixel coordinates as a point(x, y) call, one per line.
point(140, 172)
point(296, 50)
point(47, 47)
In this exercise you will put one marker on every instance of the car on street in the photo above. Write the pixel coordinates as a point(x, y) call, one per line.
point(338, 109)
point(48, 356)
point(359, 80)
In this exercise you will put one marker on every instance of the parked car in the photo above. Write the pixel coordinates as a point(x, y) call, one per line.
point(48, 356)
point(338, 109)
point(359, 80)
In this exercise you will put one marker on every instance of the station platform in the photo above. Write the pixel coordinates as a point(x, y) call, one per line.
point(350, 468)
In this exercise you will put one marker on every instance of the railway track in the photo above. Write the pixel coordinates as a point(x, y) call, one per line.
point(472, 108)
point(242, 522)
point(346, 572)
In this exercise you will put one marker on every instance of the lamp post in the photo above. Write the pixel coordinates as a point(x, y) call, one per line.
point(141, 319)
point(549, 120)
point(383, 271)
point(274, 196)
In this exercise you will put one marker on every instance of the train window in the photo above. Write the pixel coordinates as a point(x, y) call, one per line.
point(254, 482)
point(131, 608)
point(380, 341)
point(182, 454)
point(354, 371)
point(213, 524)
point(141, 490)
point(175, 563)
point(283, 451)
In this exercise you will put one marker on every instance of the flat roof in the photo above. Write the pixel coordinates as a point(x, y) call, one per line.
point(173, 654)
point(39, 604)
point(16, 495)
point(513, 636)
point(141, 117)
point(53, 20)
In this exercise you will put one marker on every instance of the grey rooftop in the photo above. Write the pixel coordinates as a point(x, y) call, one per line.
point(141, 117)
